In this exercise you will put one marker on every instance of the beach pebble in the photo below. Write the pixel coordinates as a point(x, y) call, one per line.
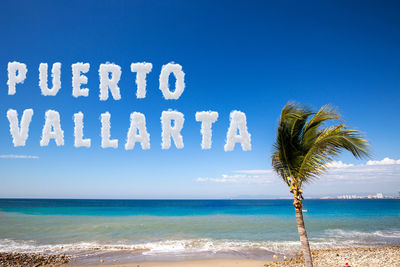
point(32, 260)
point(388, 256)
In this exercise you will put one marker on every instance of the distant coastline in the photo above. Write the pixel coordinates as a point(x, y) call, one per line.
point(353, 196)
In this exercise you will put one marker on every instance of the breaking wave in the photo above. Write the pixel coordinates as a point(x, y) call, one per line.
point(331, 239)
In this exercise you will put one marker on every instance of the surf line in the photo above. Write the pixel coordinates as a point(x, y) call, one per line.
point(171, 121)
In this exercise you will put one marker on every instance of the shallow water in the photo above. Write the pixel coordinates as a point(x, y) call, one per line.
point(177, 229)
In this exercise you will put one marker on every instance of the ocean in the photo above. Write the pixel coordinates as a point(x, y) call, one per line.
point(139, 230)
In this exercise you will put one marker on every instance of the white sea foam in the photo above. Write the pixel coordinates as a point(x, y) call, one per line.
point(168, 247)
point(358, 235)
point(336, 238)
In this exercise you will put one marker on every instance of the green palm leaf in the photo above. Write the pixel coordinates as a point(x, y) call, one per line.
point(303, 148)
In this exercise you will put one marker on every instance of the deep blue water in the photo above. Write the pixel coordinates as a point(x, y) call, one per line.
point(281, 207)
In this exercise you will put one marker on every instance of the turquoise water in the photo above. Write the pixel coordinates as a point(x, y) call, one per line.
point(171, 228)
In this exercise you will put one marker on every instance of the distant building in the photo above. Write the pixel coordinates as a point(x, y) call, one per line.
point(378, 195)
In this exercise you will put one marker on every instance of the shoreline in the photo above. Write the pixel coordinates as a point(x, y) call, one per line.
point(358, 256)
point(388, 256)
point(187, 263)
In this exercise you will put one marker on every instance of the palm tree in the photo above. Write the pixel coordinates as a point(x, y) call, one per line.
point(303, 148)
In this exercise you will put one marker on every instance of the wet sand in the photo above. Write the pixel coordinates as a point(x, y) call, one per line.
point(192, 263)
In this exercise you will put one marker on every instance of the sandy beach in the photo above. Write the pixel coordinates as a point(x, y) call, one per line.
point(388, 256)
point(363, 257)
point(193, 263)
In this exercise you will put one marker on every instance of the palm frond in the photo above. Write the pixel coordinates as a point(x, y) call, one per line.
point(327, 146)
point(280, 168)
point(303, 148)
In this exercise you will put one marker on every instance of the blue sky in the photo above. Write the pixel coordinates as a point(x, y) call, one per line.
point(251, 56)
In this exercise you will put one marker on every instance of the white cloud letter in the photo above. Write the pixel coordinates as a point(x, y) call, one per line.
point(78, 131)
point(168, 131)
point(137, 132)
point(105, 82)
point(142, 69)
point(105, 132)
point(13, 78)
point(19, 135)
point(78, 79)
point(207, 118)
point(52, 123)
point(237, 122)
point(55, 74)
point(179, 84)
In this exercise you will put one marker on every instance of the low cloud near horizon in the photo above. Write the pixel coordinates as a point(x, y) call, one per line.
point(374, 171)
point(11, 156)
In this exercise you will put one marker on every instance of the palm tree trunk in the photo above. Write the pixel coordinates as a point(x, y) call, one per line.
point(303, 237)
